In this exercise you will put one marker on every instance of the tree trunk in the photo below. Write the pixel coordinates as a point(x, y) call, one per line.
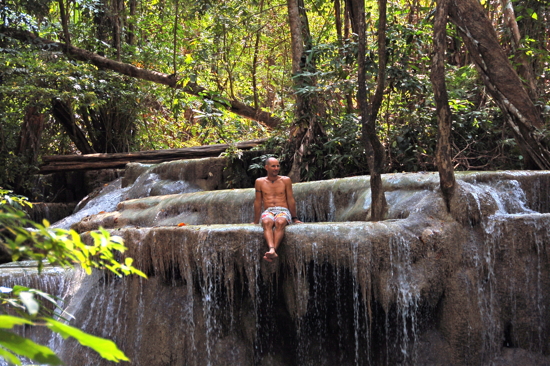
point(374, 148)
point(102, 21)
point(306, 127)
point(342, 40)
point(117, 9)
point(64, 22)
point(338, 20)
point(131, 24)
point(525, 70)
point(501, 80)
point(64, 115)
point(28, 146)
point(31, 134)
point(443, 153)
point(255, 62)
point(234, 106)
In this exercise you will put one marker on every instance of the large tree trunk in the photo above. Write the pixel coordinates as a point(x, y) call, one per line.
point(501, 80)
point(443, 153)
point(110, 129)
point(306, 127)
point(376, 156)
point(524, 70)
point(234, 106)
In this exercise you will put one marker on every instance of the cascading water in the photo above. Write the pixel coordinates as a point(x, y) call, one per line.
point(502, 241)
point(424, 287)
point(150, 182)
point(54, 280)
point(105, 201)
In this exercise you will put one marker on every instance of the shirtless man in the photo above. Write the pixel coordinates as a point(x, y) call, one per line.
point(274, 192)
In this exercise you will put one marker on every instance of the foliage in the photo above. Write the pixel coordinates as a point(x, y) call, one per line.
point(233, 155)
point(11, 344)
point(338, 154)
point(61, 247)
point(241, 50)
point(258, 163)
point(26, 239)
point(8, 198)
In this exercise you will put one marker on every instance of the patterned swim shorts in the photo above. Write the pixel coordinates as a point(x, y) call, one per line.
point(276, 212)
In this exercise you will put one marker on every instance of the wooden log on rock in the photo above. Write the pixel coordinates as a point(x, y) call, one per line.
point(63, 163)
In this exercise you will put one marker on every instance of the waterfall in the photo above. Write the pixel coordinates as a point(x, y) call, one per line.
point(152, 180)
point(56, 281)
point(423, 287)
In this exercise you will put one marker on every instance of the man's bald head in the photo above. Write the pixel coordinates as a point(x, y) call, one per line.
point(271, 160)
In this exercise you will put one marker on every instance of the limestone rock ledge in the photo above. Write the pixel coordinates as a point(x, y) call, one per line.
point(426, 287)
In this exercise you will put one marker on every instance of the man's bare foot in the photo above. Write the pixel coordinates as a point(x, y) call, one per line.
point(271, 255)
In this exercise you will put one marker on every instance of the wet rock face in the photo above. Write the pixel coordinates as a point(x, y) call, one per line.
point(50, 211)
point(424, 287)
point(205, 174)
point(421, 291)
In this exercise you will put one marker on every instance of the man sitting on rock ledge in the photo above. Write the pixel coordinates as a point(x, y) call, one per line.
point(274, 192)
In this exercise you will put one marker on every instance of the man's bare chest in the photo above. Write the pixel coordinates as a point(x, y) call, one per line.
point(276, 188)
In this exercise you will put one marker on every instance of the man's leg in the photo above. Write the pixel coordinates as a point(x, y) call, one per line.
point(276, 238)
point(267, 225)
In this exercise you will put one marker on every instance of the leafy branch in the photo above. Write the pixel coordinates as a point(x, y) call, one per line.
point(25, 239)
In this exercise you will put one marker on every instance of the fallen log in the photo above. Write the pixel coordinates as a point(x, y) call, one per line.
point(63, 163)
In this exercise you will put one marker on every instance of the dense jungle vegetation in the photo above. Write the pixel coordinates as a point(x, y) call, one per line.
point(90, 76)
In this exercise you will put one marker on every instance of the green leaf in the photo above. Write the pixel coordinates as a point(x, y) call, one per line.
point(27, 348)
point(106, 348)
point(8, 321)
point(188, 59)
point(45, 295)
point(17, 289)
point(10, 357)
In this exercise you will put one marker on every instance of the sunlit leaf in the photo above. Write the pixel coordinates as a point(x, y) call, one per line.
point(10, 357)
point(17, 289)
point(27, 348)
point(106, 348)
point(8, 321)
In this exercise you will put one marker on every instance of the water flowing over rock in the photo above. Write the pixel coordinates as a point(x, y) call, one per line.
point(424, 287)
point(144, 180)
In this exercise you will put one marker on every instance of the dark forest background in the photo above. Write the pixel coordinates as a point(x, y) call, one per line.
point(315, 77)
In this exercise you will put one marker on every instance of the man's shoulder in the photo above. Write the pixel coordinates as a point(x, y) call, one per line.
point(260, 182)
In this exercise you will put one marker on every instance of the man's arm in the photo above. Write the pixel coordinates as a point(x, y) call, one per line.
point(257, 202)
point(290, 200)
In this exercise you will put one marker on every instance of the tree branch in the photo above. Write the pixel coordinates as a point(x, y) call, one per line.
point(234, 106)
